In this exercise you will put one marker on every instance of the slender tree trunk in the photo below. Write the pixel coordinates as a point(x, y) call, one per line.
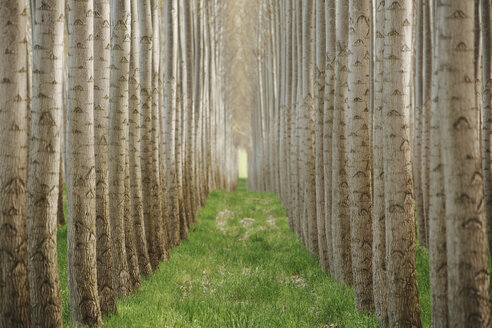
point(82, 270)
point(379, 240)
point(187, 103)
point(130, 248)
point(330, 8)
point(437, 209)
point(130, 244)
point(170, 116)
point(162, 131)
point(179, 133)
point(403, 307)
point(118, 140)
point(486, 115)
point(303, 228)
point(293, 115)
point(468, 277)
point(161, 234)
point(44, 163)
point(342, 259)
point(137, 213)
point(426, 112)
point(150, 217)
point(183, 227)
point(359, 158)
point(308, 123)
point(319, 107)
point(418, 126)
point(14, 293)
point(190, 149)
point(102, 55)
point(61, 182)
point(288, 113)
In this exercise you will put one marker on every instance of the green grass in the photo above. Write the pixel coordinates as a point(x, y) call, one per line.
point(241, 273)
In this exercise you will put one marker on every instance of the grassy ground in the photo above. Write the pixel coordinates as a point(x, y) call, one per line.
point(242, 267)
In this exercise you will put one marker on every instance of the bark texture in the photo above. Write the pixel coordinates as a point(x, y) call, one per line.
point(44, 163)
point(379, 225)
point(359, 153)
point(118, 140)
point(14, 293)
point(468, 277)
point(342, 259)
point(319, 108)
point(403, 306)
point(145, 21)
point(137, 213)
point(102, 54)
point(82, 272)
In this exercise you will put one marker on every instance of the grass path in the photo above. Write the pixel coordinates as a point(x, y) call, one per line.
point(242, 267)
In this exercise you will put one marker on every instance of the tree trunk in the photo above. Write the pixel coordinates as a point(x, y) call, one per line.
point(293, 113)
point(118, 140)
point(308, 124)
point(61, 184)
point(14, 293)
point(137, 212)
point(403, 307)
point(170, 116)
point(342, 259)
point(44, 163)
point(150, 218)
point(133, 106)
point(102, 72)
point(359, 158)
point(418, 137)
point(82, 270)
point(163, 171)
point(437, 208)
point(130, 248)
point(157, 202)
point(426, 111)
point(319, 107)
point(187, 114)
point(486, 116)
point(468, 278)
point(379, 238)
point(331, 52)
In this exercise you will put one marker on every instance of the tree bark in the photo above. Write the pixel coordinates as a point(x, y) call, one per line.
point(14, 293)
point(102, 72)
point(150, 218)
point(170, 116)
point(418, 134)
point(437, 209)
point(157, 202)
point(118, 140)
point(130, 219)
point(378, 208)
point(468, 277)
point(308, 124)
point(82, 270)
point(403, 306)
point(44, 163)
point(359, 158)
point(137, 212)
point(61, 185)
point(342, 259)
point(331, 53)
point(319, 108)
point(486, 115)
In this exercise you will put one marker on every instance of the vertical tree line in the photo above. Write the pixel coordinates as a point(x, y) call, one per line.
point(376, 137)
point(144, 117)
